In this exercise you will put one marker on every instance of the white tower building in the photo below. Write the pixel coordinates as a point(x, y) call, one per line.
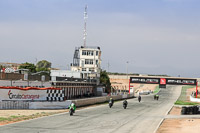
point(87, 60)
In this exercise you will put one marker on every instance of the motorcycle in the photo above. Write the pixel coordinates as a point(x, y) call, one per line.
point(157, 97)
point(110, 104)
point(124, 105)
point(139, 98)
point(71, 111)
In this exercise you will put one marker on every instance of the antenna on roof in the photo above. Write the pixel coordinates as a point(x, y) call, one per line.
point(85, 20)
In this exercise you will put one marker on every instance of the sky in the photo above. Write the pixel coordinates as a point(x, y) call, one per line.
point(153, 36)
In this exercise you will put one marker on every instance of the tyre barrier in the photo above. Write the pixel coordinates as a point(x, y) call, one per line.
point(190, 110)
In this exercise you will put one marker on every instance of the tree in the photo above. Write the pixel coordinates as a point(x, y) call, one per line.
point(31, 67)
point(104, 79)
point(43, 66)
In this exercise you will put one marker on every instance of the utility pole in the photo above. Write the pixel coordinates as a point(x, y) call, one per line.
point(85, 22)
point(108, 66)
point(127, 72)
point(127, 69)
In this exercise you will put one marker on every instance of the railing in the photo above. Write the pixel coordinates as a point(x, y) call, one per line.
point(14, 105)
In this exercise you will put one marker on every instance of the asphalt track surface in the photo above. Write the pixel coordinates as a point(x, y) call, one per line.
point(143, 117)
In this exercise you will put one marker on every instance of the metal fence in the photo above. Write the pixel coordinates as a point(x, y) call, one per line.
point(14, 105)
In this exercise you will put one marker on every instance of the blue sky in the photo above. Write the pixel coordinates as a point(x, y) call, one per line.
point(155, 36)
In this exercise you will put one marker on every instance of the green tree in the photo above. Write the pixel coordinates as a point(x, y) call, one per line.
point(43, 65)
point(31, 67)
point(104, 79)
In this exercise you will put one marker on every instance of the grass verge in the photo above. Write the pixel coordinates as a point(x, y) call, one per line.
point(182, 100)
point(185, 103)
point(156, 90)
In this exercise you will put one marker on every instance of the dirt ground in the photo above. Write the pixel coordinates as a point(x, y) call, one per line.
point(148, 87)
point(175, 111)
point(11, 116)
point(144, 87)
point(180, 126)
point(8, 113)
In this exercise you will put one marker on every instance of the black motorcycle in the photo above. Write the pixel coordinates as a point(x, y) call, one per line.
point(71, 111)
point(139, 98)
point(125, 104)
point(110, 104)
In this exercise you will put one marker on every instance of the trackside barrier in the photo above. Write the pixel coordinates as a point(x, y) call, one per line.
point(34, 105)
point(90, 101)
point(50, 105)
point(14, 105)
point(58, 104)
point(194, 99)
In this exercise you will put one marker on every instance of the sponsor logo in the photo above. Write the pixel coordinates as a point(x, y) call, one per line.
point(145, 80)
point(162, 81)
point(22, 96)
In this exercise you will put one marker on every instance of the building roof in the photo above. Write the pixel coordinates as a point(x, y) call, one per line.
point(29, 88)
point(9, 64)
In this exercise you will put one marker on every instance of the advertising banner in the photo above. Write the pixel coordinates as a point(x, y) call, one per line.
point(181, 81)
point(163, 81)
point(16, 94)
point(144, 80)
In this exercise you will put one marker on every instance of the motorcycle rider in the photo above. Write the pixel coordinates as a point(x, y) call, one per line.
point(111, 100)
point(125, 103)
point(73, 106)
point(139, 98)
point(157, 97)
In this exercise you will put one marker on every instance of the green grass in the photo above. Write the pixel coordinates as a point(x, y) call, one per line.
point(23, 117)
point(4, 119)
point(157, 89)
point(182, 100)
point(13, 116)
point(185, 103)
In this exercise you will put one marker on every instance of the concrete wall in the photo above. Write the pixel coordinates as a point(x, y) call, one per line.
point(49, 105)
point(59, 105)
point(194, 99)
point(34, 105)
point(90, 101)
point(17, 76)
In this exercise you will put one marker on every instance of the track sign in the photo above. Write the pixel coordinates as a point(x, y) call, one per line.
point(162, 81)
point(181, 81)
point(144, 80)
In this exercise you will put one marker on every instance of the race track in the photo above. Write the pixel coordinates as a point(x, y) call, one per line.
point(143, 117)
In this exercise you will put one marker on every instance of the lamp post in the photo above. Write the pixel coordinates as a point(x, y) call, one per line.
point(127, 71)
point(196, 88)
